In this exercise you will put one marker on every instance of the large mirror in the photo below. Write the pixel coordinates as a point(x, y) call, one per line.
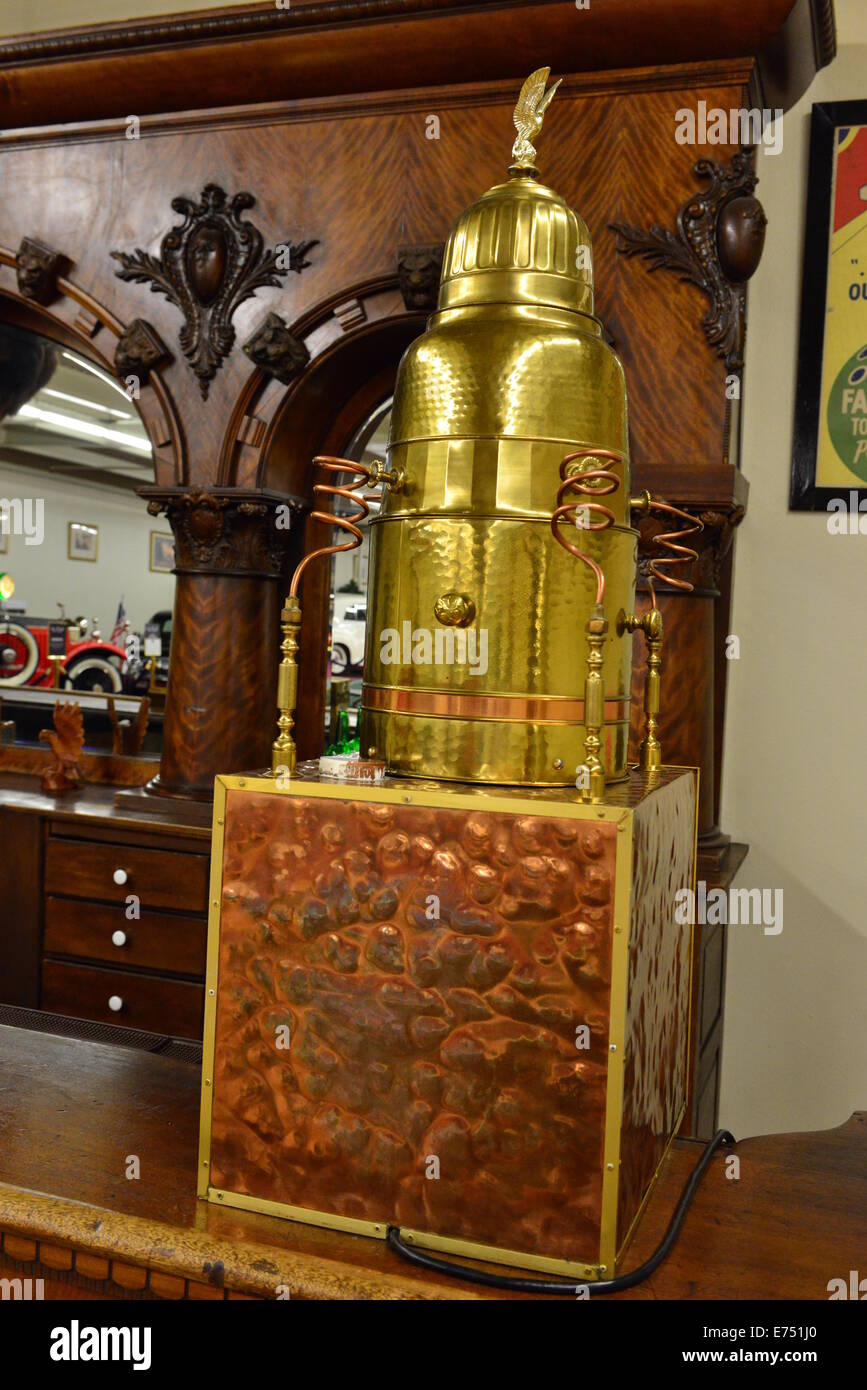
point(86, 576)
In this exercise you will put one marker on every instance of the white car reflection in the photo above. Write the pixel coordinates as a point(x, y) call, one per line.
point(347, 639)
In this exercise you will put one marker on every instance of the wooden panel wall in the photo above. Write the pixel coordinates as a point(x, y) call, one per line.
point(363, 179)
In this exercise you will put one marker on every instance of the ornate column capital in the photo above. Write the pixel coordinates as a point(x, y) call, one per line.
point(226, 531)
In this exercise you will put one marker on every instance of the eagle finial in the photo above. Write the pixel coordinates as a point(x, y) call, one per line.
point(529, 114)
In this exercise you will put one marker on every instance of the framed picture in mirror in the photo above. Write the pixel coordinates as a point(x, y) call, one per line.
point(83, 541)
point(162, 552)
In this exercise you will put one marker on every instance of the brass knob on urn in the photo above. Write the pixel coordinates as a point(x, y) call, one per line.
point(454, 610)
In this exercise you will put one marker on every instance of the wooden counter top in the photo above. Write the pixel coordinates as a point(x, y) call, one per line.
point(72, 1111)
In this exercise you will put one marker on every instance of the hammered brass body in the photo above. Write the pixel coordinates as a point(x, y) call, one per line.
point(512, 373)
point(526, 590)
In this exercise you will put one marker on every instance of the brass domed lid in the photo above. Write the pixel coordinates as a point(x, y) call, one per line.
point(520, 243)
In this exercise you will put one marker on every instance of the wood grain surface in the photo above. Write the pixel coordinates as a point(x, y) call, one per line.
point(71, 1112)
point(362, 45)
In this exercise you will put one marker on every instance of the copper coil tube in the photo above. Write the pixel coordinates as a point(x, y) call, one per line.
point(592, 483)
point(343, 523)
point(671, 541)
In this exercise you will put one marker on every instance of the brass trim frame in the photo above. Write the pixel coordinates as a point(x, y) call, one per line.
point(496, 1254)
point(350, 1225)
point(616, 1040)
point(624, 1245)
point(212, 965)
point(413, 792)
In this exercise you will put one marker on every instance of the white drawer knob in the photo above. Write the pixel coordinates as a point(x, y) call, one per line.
point(118, 938)
point(115, 1003)
point(120, 875)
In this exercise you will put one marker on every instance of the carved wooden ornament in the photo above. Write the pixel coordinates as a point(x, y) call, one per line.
point(276, 350)
point(207, 267)
point(139, 349)
point(37, 267)
point(717, 247)
point(67, 744)
point(418, 273)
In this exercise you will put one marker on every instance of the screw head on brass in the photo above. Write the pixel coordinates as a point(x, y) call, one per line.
point(558, 763)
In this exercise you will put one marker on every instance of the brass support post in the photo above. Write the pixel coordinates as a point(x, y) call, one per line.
point(650, 623)
point(283, 754)
point(58, 663)
point(594, 705)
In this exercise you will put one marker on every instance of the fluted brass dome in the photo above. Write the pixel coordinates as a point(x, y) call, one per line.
point(520, 243)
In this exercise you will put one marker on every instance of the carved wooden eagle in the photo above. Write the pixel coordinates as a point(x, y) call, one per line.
point(66, 740)
point(529, 114)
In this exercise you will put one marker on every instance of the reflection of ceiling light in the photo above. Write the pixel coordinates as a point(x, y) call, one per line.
point(90, 405)
point(103, 376)
point(75, 426)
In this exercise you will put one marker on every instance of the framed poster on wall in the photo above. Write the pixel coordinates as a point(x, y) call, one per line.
point(829, 463)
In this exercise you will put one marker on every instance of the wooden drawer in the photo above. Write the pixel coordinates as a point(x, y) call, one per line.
point(74, 927)
point(158, 877)
point(149, 1003)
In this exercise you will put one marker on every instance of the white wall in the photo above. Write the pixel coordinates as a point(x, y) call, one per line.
point(44, 575)
point(29, 16)
point(795, 1030)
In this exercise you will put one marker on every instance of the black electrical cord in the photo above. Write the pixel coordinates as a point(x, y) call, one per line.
point(549, 1286)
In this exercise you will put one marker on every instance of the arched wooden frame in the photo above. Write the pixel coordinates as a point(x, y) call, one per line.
point(78, 321)
point(277, 430)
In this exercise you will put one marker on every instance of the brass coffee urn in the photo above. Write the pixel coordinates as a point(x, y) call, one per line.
point(491, 655)
point(513, 373)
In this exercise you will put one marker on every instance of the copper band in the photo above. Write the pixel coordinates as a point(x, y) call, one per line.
point(525, 709)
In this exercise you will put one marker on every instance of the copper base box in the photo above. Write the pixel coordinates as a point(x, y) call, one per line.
point(461, 1011)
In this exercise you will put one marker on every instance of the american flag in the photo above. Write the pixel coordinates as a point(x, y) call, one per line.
point(119, 623)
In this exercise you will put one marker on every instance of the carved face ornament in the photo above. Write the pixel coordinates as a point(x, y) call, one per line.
point(36, 271)
point(207, 259)
point(210, 264)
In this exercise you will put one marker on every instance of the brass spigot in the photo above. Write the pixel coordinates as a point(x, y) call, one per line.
point(650, 623)
point(283, 752)
point(392, 478)
point(594, 705)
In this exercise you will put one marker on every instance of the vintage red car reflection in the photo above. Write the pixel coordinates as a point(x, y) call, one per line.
point(89, 663)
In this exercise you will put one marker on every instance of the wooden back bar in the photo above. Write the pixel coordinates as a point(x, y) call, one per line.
point(72, 1111)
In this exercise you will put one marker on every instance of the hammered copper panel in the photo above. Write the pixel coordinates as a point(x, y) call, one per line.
point(414, 1039)
point(657, 1005)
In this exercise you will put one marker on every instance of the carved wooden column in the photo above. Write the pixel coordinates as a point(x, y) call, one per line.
point(220, 708)
point(716, 246)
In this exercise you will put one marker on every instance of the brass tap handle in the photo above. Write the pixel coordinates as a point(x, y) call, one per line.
point(650, 623)
point(594, 705)
point(283, 752)
point(392, 478)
